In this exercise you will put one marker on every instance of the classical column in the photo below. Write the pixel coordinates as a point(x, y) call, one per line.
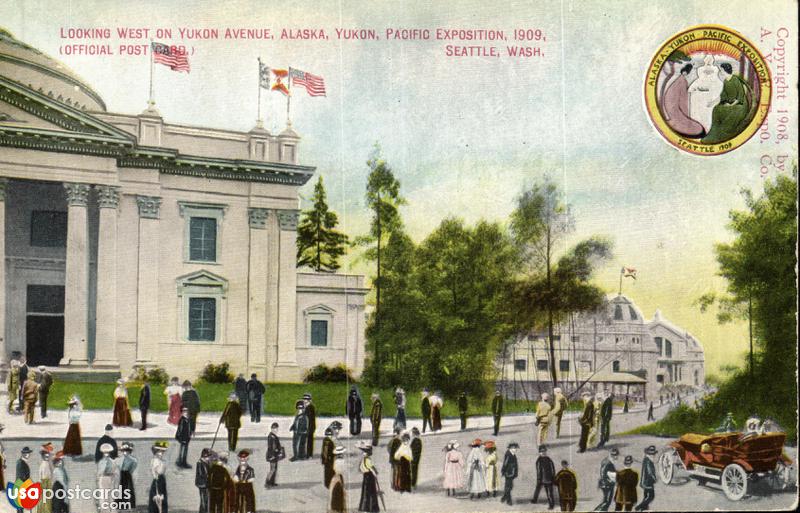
point(257, 293)
point(147, 293)
point(76, 286)
point(286, 368)
point(3, 355)
point(106, 332)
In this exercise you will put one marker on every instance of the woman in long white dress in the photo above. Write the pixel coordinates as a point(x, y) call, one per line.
point(476, 470)
point(107, 479)
point(594, 432)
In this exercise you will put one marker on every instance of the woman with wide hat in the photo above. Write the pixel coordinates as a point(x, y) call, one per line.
point(60, 484)
point(72, 443)
point(453, 468)
point(476, 468)
point(157, 500)
point(492, 476)
point(122, 413)
point(370, 494)
point(126, 469)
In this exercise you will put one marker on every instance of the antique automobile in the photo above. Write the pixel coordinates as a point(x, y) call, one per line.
point(730, 459)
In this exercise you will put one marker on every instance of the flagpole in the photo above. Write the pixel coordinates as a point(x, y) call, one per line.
point(621, 274)
point(289, 97)
point(151, 101)
point(259, 121)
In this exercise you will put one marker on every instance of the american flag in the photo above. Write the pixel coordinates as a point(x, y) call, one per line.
point(170, 57)
point(315, 85)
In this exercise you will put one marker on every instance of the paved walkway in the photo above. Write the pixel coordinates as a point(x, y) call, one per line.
point(93, 423)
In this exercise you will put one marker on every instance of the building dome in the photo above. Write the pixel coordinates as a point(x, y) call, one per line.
point(622, 309)
point(30, 67)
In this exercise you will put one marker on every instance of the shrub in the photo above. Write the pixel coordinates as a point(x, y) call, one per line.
point(154, 375)
point(323, 374)
point(217, 373)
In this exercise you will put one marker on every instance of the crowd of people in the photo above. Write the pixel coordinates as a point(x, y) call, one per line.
point(26, 387)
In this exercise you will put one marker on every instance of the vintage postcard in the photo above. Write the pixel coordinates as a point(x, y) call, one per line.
point(353, 256)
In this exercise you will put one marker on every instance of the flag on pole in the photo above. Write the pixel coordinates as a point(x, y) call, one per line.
point(263, 75)
point(279, 75)
point(315, 85)
point(628, 272)
point(170, 57)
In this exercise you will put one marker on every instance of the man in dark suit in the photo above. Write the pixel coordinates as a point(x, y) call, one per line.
point(23, 468)
point(201, 478)
point(275, 453)
point(606, 410)
point(510, 471)
point(183, 435)
point(463, 407)
point(426, 409)
point(106, 439)
point(497, 410)
point(567, 484)
point(144, 403)
point(545, 474)
point(45, 380)
point(191, 400)
point(416, 455)
point(232, 417)
point(327, 457)
point(240, 388)
point(311, 415)
point(299, 431)
point(586, 420)
point(627, 479)
point(219, 482)
point(375, 417)
point(648, 481)
point(354, 409)
point(255, 394)
point(608, 477)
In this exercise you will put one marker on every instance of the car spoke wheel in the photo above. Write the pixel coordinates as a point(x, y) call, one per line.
point(781, 477)
point(666, 465)
point(734, 482)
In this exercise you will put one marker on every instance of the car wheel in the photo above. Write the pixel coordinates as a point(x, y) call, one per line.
point(734, 482)
point(666, 465)
point(781, 477)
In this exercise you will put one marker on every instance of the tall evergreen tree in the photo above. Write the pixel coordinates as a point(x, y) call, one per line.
point(319, 244)
point(383, 200)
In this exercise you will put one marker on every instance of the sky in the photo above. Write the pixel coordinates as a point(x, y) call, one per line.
point(465, 135)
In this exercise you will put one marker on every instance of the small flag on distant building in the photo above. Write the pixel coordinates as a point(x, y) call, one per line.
point(279, 75)
point(170, 57)
point(315, 85)
point(629, 272)
point(263, 75)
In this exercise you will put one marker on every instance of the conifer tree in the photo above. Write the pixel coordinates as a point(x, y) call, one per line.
point(319, 244)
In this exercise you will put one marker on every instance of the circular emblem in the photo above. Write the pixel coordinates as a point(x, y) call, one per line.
point(707, 90)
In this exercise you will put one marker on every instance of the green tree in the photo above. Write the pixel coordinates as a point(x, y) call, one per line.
point(553, 286)
point(383, 200)
point(319, 244)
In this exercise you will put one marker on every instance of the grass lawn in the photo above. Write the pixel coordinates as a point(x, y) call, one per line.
point(329, 399)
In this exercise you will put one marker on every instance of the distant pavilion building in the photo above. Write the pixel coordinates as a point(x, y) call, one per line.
point(616, 350)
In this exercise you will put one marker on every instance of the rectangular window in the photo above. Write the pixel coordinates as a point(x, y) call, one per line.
point(203, 239)
point(616, 365)
point(48, 229)
point(520, 365)
point(576, 339)
point(202, 319)
point(659, 346)
point(667, 348)
point(563, 365)
point(45, 299)
point(541, 365)
point(319, 333)
point(660, 378)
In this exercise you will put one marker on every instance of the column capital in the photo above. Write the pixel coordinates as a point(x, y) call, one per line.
point(107, 196)
point(3, 185)
point(149, 206)
point(258, 217)
point(77, 194)
point(287, 219)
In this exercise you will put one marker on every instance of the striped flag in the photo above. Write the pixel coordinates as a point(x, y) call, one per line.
point(315, 85)
point(170, 57)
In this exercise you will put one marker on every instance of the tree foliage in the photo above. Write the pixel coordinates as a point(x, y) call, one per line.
point(319, 244)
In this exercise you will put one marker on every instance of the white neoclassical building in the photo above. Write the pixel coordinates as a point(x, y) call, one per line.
point(127, 240)
point(616, 350)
